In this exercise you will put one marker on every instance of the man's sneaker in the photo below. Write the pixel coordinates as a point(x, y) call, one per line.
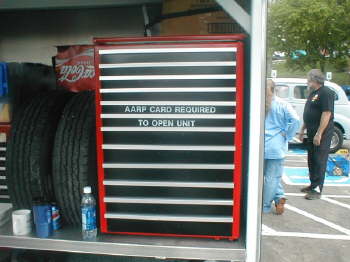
point(306, 189)
point(280, 206)
point(313, 195)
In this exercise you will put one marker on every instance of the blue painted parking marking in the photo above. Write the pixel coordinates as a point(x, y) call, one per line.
point(300, 176)
point(297, 151)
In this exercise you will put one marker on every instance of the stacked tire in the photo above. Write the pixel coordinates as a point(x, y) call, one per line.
point(74, 155)
point(51, 151)
point(29, 149)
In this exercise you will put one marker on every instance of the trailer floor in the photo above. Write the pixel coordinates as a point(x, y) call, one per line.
point(69, 240)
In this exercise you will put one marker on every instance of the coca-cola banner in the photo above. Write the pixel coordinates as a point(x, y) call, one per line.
point(74, 66)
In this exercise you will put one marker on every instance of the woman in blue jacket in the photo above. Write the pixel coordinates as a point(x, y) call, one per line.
point(281, 124)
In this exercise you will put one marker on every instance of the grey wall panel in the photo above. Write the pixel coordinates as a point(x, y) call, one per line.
point(31, 36)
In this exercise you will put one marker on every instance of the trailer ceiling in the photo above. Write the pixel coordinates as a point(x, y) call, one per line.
point(7, 5)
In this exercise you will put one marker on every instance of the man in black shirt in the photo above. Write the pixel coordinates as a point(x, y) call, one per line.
point(318, 122)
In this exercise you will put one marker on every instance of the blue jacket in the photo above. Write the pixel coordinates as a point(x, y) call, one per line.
point(281, 124)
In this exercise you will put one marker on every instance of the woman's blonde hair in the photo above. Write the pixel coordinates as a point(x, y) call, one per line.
point(270, 90)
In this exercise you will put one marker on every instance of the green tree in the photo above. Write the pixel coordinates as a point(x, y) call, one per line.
point(320, 27)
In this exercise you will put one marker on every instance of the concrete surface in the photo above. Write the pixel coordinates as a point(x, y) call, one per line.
point(309, 231)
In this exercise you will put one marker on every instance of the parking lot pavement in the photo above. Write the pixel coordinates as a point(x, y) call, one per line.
point(308, 231)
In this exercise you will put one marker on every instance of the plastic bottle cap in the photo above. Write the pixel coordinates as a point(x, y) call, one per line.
point(87, 190)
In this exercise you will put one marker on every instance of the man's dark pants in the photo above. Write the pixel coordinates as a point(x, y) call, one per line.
point(317, 157)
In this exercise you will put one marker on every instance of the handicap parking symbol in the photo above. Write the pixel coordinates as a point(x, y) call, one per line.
point(300, 176)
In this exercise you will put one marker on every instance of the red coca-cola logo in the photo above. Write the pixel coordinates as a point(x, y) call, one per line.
point(75, 68)
point(73, 73)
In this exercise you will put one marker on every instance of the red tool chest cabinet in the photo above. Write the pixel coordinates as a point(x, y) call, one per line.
point(4, 132)
point(169, 135)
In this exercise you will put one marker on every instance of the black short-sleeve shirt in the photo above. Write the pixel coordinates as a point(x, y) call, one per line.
point(320, 100)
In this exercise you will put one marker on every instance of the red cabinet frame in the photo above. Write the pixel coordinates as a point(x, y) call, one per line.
point(224, 41)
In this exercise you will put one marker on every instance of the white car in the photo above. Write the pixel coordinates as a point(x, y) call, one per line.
point(295, 91)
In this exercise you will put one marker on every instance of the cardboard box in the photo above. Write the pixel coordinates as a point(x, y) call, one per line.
point(5, 113)
point(215, 22)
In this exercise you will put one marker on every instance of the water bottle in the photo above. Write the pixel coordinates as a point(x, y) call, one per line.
point(88, 212)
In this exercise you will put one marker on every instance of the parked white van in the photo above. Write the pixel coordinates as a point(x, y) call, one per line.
point(295, 91)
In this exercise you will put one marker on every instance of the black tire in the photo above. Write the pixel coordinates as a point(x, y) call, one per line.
point(26, 80)
point(74, 156)
point(337, 140)
point(29, 149)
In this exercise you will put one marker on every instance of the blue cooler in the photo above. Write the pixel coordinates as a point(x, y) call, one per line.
point(337, 165)
point(3, 80)
point(43, 219)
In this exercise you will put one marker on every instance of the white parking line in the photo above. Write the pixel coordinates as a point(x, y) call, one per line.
point(267, 230)
point(307, 235)
point(318, 219)
point(296, 155)
point(295, 161)
point(332, 196)
point(335, 202)
point(286, 180)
